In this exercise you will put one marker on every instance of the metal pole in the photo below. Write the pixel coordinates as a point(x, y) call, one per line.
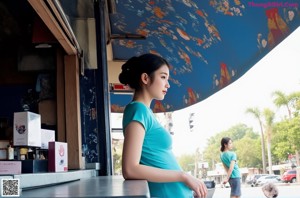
point(102, 86)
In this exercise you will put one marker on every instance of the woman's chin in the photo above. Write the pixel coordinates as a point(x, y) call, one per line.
point(160, 97)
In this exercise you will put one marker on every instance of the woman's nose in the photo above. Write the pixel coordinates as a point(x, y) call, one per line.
point(168, 85)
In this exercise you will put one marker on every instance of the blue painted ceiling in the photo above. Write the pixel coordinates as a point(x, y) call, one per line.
point(209, 44)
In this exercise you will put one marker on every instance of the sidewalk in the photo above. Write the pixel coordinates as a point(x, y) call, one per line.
point(277, 184)
point(285, 191)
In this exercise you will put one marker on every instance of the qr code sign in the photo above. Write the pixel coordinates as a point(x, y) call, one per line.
point(10, 187)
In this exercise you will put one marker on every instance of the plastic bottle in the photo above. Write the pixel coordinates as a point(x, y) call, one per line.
point(10, 153)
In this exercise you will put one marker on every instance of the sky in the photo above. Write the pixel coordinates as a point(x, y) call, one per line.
point(278, 70)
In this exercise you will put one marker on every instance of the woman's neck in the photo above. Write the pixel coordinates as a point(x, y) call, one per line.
point(142, 98)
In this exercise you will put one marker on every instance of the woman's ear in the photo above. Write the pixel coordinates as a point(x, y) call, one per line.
point(145, 78)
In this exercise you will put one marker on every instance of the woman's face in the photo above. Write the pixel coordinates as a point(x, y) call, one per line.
point(160, 85)
point(230, 145)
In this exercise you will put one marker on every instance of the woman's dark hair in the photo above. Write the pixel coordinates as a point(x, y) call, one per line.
point(224, 142)
point(136, 66)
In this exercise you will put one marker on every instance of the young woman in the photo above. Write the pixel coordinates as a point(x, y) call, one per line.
point(229, 161)
point(147, 151)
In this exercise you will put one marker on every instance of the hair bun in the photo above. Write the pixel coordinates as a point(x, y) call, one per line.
point(135, 66)
point(130, 64)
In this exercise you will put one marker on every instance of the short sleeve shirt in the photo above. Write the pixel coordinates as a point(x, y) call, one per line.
point(156, 150)
point(226, 158)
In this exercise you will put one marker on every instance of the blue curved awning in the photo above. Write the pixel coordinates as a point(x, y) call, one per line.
point(209, 44)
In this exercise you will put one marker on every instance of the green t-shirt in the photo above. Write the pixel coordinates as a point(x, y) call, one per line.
point(156, 151)
point(226, 158)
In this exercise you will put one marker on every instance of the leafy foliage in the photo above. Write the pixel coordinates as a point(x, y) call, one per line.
point(246, 144)
point(248, 152)
point(187, 162)
point(286, 137)
point(284, 134)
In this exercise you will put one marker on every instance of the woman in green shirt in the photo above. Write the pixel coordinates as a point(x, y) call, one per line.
point(147, 151)
point(229, 161)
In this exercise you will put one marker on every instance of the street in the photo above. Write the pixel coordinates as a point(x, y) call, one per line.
point(285, 191)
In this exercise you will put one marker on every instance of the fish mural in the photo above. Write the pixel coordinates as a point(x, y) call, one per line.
point(209, 44)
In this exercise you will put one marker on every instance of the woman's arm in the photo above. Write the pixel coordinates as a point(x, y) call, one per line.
point(229, 171)
point(132, 169)
point(132, 149)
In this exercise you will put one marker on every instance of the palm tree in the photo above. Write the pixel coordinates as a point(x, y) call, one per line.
point(256, 113)
point(295, 102)
point(269, 119)
point(288, 101)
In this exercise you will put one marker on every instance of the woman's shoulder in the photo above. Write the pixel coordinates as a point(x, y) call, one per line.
point(135, 105)
point(228, 153)
point(232, 154)
point(136, 108)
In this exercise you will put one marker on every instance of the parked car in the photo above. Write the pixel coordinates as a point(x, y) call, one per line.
point(253, 178)
point(249, 179)
point(268, 179)
point(289, 176)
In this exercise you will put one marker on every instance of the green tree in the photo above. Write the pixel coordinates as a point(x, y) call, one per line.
point(294, 136)
point(211, 153)
point(296, 104)
point(248, 151)
point(280, 146)
point(117, 146)
point(246, 146)
point(187, 162)
point(256, 113)
point(286, 137)
point(289, 101)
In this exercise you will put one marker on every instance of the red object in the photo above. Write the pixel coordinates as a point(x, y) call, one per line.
point(57, 157)
point(289, 176)
point(41, 33)
point(120, 87)
point(116, 87)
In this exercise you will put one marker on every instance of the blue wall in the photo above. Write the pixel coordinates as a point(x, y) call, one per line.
point(89, 120)
point(11, 100)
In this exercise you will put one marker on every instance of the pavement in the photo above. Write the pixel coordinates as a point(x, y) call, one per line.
point(286, 190)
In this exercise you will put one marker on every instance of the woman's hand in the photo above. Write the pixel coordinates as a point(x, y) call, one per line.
point(225, 181)
point(197, 185)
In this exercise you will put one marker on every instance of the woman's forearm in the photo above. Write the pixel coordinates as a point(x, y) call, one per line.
point(153, 174)
point(229, 171)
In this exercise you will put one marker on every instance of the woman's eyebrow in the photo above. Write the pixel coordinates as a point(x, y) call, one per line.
point(164, 73)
